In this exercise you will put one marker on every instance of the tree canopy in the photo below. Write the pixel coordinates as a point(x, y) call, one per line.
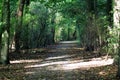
point(33, 24)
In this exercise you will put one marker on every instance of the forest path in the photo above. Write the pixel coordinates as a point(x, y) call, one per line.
point(65, 61)
point(62, 61)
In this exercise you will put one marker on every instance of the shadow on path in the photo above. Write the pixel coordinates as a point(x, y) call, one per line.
point(66, 61)
point(62, 61)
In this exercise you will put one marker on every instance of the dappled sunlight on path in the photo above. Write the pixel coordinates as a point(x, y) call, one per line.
point(61, 61)
point(24, 61)
point(89, 64)
point(77, 64)
point(65, 62)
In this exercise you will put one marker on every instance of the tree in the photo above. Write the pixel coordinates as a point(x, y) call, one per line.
point(109, 12)
point(5, 33)
point(116, 29)
point(91, 24)
point(19, 24)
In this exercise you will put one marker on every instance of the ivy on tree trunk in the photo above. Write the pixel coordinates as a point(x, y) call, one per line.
point(5, 34)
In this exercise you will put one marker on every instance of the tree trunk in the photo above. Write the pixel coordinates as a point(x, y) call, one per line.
point(117, 28)
point(109, 13)
point(68, 33)
point(78, 30)
point(5, 35)
point(5, 48)
point(91, 25)
point(118, 71)
point(0, 45)
point(53, 27)
point(19, 24)
point(1, 26)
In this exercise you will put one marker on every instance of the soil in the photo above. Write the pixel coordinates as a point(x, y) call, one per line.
point(62, 61)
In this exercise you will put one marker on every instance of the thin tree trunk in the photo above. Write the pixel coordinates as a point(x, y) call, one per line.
point(91, 24)
point(68, 33)
point(19, 24)
point(110, 23)
point(118, 72)
point(53, 27)
point(78, 30)
point(0, 46)
point(109, 13)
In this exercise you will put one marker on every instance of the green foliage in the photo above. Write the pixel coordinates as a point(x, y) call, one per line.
point(74, 8)
point(113, 40)
point(38, 9)
point(69, 18)
point(35, 28)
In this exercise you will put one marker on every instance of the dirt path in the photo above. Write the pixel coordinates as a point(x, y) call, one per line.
point(63, 61)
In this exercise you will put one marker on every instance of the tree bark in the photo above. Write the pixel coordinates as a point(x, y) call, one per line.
point(53, 26)
point(5, 35)
point(116, 20)
point(91, 24)
point(19, 24)
point(68, 32)
point(109, 13)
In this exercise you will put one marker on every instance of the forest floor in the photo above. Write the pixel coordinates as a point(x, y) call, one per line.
point(62, 61)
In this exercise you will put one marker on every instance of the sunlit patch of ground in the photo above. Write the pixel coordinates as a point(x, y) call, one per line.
point(59, 57)
point(75, 64)
point(24, 61)
point(87, 64)
point(69, 42)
